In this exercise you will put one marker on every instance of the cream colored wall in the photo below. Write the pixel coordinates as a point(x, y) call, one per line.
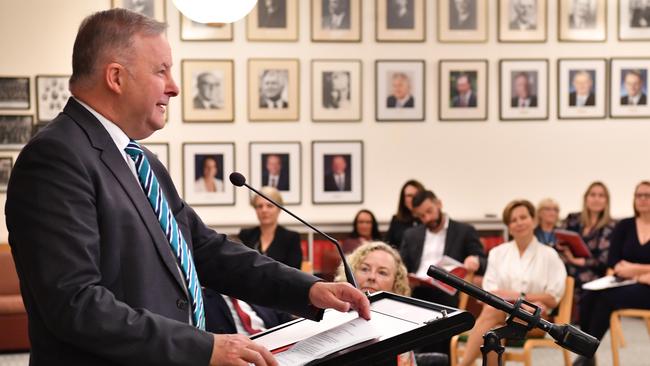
point(476, 167)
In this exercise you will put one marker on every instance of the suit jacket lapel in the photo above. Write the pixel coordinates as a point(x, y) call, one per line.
point(418, 249)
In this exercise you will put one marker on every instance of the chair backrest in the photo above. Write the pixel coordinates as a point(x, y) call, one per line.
point(463, 298)
point(566, 303)
point(9, 284)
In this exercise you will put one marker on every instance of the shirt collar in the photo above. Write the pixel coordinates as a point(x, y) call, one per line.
point(119, 137)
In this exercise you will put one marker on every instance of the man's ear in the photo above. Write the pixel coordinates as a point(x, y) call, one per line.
point(114, 76)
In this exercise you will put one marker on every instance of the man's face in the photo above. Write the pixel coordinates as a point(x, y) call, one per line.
point(524, 9)
point(339, 165)
point(581, 8)
point(401, 87)
point(335, 6)
point(462, 6)
point(632, 84)
point(273, 164)
point(340, 81)
point(463, 85)
point(428, 212)
point(582, 83)
point(521, 86)
point(272, 85)
point(209, 87)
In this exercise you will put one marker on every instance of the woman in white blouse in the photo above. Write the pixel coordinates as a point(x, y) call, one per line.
point(522, 267)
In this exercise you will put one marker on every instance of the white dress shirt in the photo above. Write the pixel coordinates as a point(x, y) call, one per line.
point(340, 181)
point(434, 248)
point(273, 180)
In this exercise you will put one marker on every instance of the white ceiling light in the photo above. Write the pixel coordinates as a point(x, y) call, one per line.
point(215, 11)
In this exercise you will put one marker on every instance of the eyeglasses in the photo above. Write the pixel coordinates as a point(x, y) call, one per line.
point(642, 196)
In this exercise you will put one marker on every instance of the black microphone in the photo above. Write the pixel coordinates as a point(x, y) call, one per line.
point(566, 335)
point(239, 180)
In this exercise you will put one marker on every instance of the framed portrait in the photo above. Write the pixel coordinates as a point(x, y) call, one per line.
point(273, 20)
point(6, 163)
point(273, 89)
point(629, 88)
point(399, 92)
point(336, 90)
point(337, 171)
point(208, 90)
point(400, 20)
point(523, 85)
point(633, 20)
point(463, 90)
point(195, 31)
point(161, 150)
point(462, 20)
point(277, 165)
point(51, 95)
point(582, 85)
point(336, 20)
point(522, 20)
point(206, 168)
point(151, 8)
point(14, 92)
point(582, 20)
point(15, 131)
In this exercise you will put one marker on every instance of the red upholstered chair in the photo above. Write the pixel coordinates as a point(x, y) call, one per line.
point(13, 318)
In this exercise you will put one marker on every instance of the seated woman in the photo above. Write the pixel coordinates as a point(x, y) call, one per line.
point(364, 229)
point(629, 257)
point(404, 218)
point(269, 238)
point(548, 212)
point(523, 268)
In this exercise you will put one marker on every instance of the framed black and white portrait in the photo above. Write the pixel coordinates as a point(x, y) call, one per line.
point(633, 20)
point(208, 90)
point(629, 88)
point(582, 20)
point(399, 92)
point(206, 168)
point(52, 93)
point(522, 20)
point(524, 89)
point(582, 88)
point(336, 20)
point(14, 92)
point(277, 165)
point(273, 89)
point(15, 131)
point(337, 171)
point(6, 163)
point(463, 90)
point(462, 21)
point(336, 90)
point(400, 20)
point(151, 8)
point(195, 31)
point(161, 150)
point(273, 20)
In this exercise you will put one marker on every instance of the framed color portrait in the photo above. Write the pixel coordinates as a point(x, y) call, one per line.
point(336, 20)
point(629, 89)
point(161, 150)
point(522, 20)
point(6, 163)
point(14, 92)
point(151, 8)
point(277, 165)
point(206, 170)
point(273, 89)
point(463, 90)
point(400, 20)
point(462, 20)
point(15, 131)
point(51, 95)
point(524, 89)
point(273, 20)
point(399, 92)
point(582, 20)
point(336, 90)
point(208, 90)
point(633, 20)
point(337, 172)
point(195, 31)
point(582, 88)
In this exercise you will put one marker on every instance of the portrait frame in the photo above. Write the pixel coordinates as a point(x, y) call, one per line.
point(6, 164)
point(506, 24)
point(619, 68)
point(322, 34)
point(256, 32)
point(326, 110)
point(15, 93)
point(596, 32)
point(161, 150)
point(158, 11)
point(386, 106)
point(476, 31)
point(627, 31)
point(448, 71)
point(15, 130)
point(291, 154)
point(52, 94)
point(290, 94)
point(193, 31)
point(194, 153)
point(326, 151)
point(400, 31)
point(596, 68)
point(220, 70)
point(536, 72)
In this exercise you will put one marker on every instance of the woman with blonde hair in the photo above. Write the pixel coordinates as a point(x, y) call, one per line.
point(548, 213)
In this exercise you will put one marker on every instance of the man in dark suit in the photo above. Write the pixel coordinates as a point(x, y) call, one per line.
point(272, 84)
point(272, 14)
point(525, 12)
point(336, 14)
point(634, 89)
point(274, 175)
point(583, 94)
point(462, 14)
point(209, 91)
point(100, 279)
point(338, 177)
point(583, 14)
point(401, 96)
point(465, 96)
point(400, 15)
point(523, 97)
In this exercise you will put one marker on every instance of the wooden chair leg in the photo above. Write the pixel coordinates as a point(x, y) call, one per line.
point(616, 332)
point(453, 351)
point(528, 355)
point(647, 324)
point(567, 358)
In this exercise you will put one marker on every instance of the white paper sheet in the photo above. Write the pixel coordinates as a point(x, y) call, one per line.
point(605, 283)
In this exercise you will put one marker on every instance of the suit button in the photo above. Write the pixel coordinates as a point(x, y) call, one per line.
point(181, 304)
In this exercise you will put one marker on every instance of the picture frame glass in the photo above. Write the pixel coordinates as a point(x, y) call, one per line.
point(273, 90)
point(14, 93)
point(336, 20)
point(336, 90)
point(208, 90)
point(151, 8)
point(524, 89)
point(400, 20)
point(206, 168)
point(337, 172)
point(195, 31)
point(463, 90)
point(522, 20)
point(277, 165)
point(399, 90)
point(52, 94)
point(633, 20)
point(6, 164)
point(629, 88)
point(462, 20)
point(583, 20)
point(15, 131)
point(273, 20)
point(582, 86)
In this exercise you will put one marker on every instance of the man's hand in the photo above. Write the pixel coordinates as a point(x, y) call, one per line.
point(238, 350)
point(471, 263)
point(339, 296)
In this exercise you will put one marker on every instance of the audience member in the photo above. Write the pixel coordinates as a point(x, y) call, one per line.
point(522, 268)
point(269, 238)
point(364, 229)
point(404, 218)
point(548, 213)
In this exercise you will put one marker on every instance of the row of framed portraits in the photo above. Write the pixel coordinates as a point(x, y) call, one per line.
point(51, 94)
point(405, 20)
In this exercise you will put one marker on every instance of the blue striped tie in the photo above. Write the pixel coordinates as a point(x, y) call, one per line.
point(170, 227)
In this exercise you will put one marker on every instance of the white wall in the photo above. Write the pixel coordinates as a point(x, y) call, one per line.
point(476, 167)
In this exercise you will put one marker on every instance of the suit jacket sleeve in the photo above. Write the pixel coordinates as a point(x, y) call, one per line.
point(406, 251)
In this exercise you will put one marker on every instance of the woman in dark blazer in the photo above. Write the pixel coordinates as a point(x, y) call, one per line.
point(269, 238)
point(404, 218)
